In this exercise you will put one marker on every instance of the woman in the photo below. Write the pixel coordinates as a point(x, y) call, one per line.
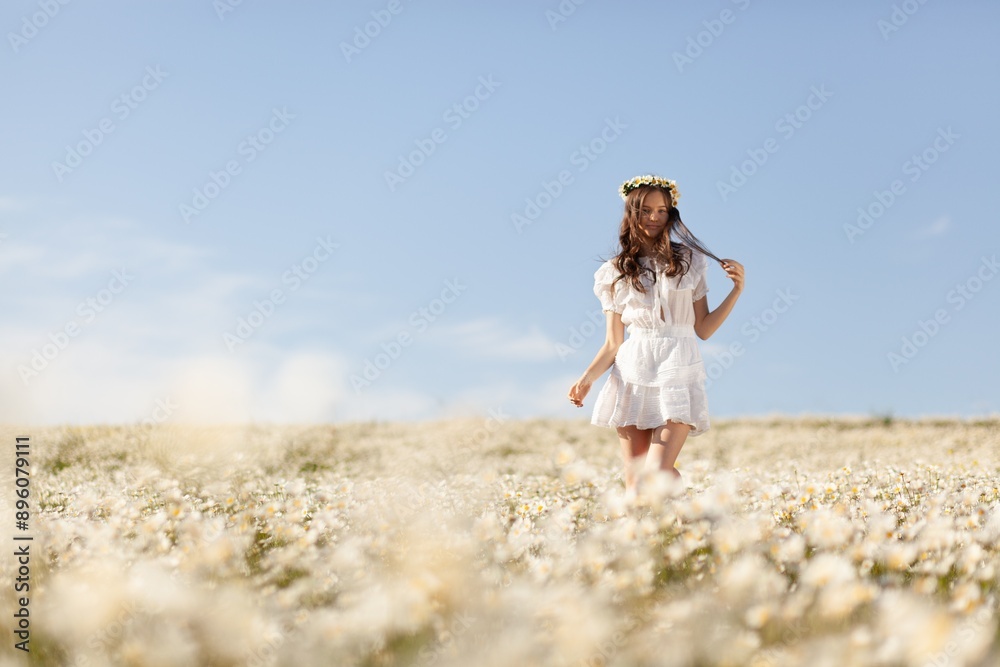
point(655, 394)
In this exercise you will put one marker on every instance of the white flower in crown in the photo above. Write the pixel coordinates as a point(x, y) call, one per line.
point(650, 179)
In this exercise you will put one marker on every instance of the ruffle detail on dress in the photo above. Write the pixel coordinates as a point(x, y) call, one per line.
point(611, 299)
point(660, 361)
point(621, 404)
point(699, 269)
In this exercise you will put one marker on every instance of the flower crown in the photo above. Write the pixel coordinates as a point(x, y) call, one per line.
point(649, 179)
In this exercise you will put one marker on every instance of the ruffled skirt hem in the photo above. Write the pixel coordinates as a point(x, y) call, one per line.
point(620, 403)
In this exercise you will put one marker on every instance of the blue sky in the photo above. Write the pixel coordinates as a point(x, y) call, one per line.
point(228, 212)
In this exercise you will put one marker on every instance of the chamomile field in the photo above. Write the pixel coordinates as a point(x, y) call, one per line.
point(490, 542)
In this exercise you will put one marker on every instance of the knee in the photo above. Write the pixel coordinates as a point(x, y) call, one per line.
point(638, 446)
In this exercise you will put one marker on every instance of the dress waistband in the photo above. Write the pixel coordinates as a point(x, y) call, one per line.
point(673, 330)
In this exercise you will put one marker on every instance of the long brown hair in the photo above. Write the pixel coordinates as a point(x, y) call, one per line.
point(676, 255)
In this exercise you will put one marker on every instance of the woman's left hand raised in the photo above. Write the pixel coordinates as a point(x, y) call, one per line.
point(735, 272)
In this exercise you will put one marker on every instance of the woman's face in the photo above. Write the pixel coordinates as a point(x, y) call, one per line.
point(653, 214)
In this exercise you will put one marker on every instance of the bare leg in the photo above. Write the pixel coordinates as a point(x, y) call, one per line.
point(665, 445)
point(635, 445)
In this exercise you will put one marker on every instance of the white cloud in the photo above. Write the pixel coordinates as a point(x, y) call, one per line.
point(521, 400)
point(384, 402)
point(160, 341)
point(62, 258)
point(207, 301)
point(213, 389)
point(88, 381)
point(107, 380)
point(12, 204)
point(14, 255)
point(489, 338)
point(935, 228)
point(305, 387)
point(172, 256)
point(72, 267)
point(99, 382)
point(273, 386)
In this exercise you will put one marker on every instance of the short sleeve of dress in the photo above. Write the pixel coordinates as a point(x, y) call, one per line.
point(699, 265)
point(603, 278)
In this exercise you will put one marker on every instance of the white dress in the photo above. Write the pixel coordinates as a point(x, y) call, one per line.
point(658, 373)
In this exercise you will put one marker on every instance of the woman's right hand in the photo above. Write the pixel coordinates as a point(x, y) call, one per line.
point(578, 391)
